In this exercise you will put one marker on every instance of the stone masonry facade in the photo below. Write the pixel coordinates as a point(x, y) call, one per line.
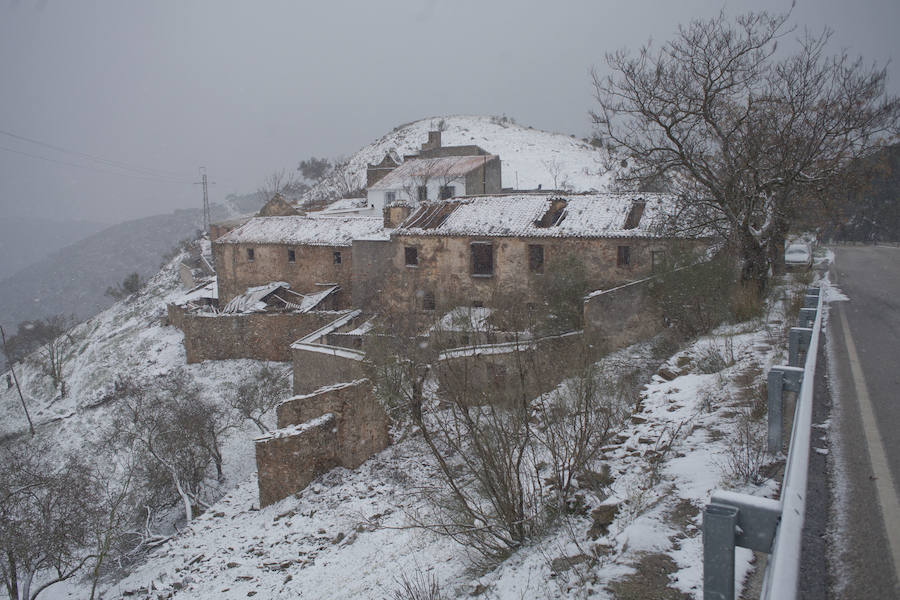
point(339, 425)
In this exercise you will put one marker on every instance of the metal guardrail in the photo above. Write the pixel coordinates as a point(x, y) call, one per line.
point(772, 526)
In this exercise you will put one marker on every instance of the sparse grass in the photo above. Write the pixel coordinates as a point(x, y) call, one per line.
point(419, 586)
point(650, 580)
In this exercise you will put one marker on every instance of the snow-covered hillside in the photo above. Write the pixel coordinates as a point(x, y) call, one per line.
point(127, 339)
point(530, 157)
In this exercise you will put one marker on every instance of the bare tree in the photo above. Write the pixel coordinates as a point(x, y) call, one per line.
point(45, 508)
point(279, 182)
point(12, 370)
point(260, 393)
point(507, 442)
point(742, 133)
point(54, 339)
point(176, 433)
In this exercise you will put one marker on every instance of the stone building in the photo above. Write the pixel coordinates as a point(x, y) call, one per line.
point(436, 173)
point(467, 251)
point(309, 253)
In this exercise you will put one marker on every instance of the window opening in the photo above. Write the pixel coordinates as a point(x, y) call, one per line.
point(624, 256)
point(428, 301)
point(411, 254)
point(390, 197)
point(292, 256)
point(337, 258)
point(482, 258)
point(447, 191)
point(536, 258)
point(250, 254)
point(657, 258)
point(422, 192)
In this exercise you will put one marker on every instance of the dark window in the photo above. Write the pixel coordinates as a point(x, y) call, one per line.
point(292, 256)
point(477, 304)
point(423, 193)
point(337, 258)
point(657, 258)
point(535, 258)
point(624, 256)
point(390, 197)
point(447, 191)
point(428, 301)
point(412, 256)
point(482, 258)
point(250, 254)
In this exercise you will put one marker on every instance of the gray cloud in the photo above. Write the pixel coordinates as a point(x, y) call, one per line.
point(249, 87)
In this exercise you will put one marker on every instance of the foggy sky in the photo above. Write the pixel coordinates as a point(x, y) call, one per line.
point(246, 88)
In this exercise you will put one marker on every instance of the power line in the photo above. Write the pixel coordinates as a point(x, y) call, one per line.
point(95, 169)
point(107, 161)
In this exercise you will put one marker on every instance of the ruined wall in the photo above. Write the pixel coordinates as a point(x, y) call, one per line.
point(342, 425)
point(315, 369)
point(486, 179)
point(288, 459)
point(444, 268)
point(259, 336)
point(502, 373)
point(622, 316)
point(312, 265)
point(372, 268)
point(362, 424)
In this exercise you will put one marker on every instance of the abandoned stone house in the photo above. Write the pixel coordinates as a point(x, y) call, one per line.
point(468, 251)
point(310, 253)
point(302, 287)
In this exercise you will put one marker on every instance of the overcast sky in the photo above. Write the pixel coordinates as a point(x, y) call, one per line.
point(246, 88)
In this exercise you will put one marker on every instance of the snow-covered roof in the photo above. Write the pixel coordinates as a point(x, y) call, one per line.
point(442, 167)
point(607, 215)
point(345, 205)
point(254, 299)
point(303, 231)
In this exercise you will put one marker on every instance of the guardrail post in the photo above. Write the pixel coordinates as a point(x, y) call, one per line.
point(781, 378)
point(719, 522)
point(798, 341)
point(807, 317)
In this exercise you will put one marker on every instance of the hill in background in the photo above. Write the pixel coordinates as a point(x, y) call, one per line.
point(26, 240)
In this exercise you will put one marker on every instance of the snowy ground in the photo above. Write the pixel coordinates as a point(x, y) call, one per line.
point(347, 535)
point(530, 157)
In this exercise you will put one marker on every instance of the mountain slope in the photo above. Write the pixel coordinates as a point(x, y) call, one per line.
point(530, 157)
point(26, 240)
point(73, 280)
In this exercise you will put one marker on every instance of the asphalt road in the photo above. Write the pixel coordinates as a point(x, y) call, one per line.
point(863, 336)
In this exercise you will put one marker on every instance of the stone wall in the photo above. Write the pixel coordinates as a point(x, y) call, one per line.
point(312, 266)
point(622, 316)
point(342, 425)
point(370, 271)
point(288, 459)
point(260, 336)
point(502, 373)
point(315, 368)
point(486, 179)
point(362, 424)
point(444, 268)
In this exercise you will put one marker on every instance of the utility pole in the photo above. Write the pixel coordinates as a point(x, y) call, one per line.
point(204, 182)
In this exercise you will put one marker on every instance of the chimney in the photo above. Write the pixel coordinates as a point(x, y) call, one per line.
point(434, 141)
point(394, 214)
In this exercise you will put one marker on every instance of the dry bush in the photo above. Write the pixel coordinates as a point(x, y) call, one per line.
point(747, 453)
point(747, 303)
point(419, 586)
